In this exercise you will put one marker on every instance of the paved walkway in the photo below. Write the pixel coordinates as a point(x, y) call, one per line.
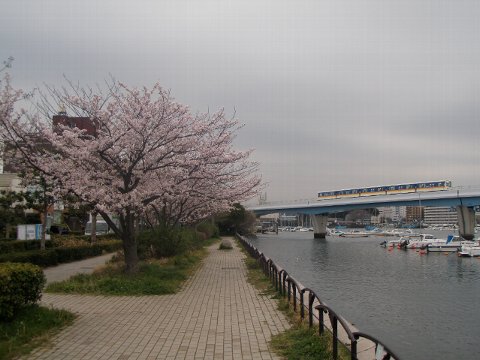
point(64, 271)
point(217, 315)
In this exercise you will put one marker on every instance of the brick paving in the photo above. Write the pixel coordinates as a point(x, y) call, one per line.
point(217, 315)
point(64, 271)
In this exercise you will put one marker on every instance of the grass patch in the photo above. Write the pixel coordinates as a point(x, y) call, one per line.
point(255, 275)
point(301, 342)
point(155, 277)
point(32, 326)
point(257, 278)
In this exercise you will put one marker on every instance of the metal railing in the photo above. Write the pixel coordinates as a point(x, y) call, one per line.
point(360, 345)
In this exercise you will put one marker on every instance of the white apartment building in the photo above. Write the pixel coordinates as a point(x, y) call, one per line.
point(440, 215)
point(10, 182)
point(395, 213)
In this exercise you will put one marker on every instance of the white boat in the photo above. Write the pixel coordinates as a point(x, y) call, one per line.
point(402, 241)
point(422, 242)
point(451, 244)
point(354, 234)
point(469, 251)
point(334, 232)
point(395, 232)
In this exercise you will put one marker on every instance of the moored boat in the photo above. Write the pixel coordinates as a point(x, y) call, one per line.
point(354, 234)
point(451, 244)
point(334, 232)
point(469, 251)
point(422, 242)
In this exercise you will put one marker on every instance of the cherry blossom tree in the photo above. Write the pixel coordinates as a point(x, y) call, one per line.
point(148, 154)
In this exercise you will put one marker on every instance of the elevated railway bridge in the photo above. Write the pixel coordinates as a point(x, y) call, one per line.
point(464, 199)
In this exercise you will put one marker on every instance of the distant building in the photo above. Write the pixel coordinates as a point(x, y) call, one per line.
point(440, 215)
point(82, 123)
point(414, 214)
point(10, 182)
point(9, 162)
point(287, 220)
point(394, 213)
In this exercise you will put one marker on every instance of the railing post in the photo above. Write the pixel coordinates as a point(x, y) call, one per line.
point(302, 304)
point(333, 322)
point(277, 280)
point(353, 349)
point(311, 299)
point(274, 278)
point(294, 288)
point(289, 290)
point(321, 325)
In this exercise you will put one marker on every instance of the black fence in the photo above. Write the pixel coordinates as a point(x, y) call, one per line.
point(305, 300)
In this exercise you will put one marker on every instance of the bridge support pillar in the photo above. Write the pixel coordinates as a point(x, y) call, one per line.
point(319, 226)
point(466, 222)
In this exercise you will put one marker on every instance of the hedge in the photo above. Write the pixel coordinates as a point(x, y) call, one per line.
point(11, 246)
point(20, 284)
point(55, 256)
point(22, 245)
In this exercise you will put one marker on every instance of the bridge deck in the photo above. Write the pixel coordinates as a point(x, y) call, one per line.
point(457, 197)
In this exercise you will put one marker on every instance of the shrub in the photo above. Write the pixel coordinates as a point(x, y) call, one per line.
point(161, 242)
point(22, 245)
point(209, 229)
point(20, 284)
point(73, 253)
point(54, 256)
point(73, 237)
point(225, 245)
point(38, 257)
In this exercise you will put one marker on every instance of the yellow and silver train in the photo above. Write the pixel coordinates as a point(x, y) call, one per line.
point(386, 190)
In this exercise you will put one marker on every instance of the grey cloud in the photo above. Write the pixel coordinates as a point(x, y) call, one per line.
point(333, 93)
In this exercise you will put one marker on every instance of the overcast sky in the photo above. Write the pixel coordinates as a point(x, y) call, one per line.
point(333, 93)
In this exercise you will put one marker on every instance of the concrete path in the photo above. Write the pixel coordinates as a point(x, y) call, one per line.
point(217, 315)
point(64, 271)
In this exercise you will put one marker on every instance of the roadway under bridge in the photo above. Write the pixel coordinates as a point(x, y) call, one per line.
point(465, 200)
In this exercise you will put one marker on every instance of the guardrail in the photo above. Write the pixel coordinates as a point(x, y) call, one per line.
point(360, 345)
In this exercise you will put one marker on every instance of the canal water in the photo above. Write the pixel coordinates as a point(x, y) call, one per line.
point(421, 306)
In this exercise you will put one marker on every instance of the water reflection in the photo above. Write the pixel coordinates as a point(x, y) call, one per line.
point(423, 306)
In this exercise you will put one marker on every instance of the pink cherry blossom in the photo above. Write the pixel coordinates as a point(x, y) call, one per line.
point(151, 157)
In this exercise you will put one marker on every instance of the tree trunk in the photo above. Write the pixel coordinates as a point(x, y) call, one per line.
point(44, 226)
point(131, 256)
point(93, 234)
point(126, 232)
point(130, 244)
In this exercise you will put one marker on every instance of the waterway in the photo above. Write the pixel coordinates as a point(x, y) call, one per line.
point(421, 306)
